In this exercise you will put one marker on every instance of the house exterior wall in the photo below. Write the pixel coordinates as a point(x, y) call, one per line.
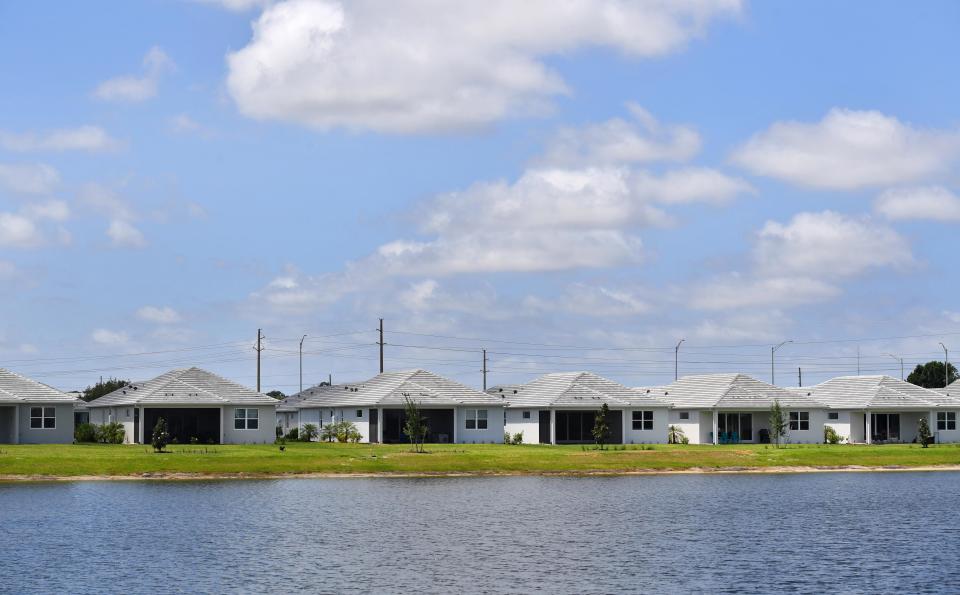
point(692, 426)
point(515, 424)
point(944, 436)
point(362, 421)
point(658, 435)
point(265, 432)
point(814, 435)
point(845, 425)
point(493, 433)
point(62, 434)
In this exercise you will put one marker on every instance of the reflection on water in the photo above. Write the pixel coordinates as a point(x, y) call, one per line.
point(844, 532)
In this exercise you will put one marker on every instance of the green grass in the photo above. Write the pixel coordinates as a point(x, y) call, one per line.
point(119, 460)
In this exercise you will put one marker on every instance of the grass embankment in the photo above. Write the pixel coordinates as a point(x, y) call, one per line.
point(22, 461)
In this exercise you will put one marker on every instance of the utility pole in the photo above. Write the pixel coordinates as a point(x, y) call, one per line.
point(484, 370)
point(800, 377)
point(301, 362)
point(773, 350)
point(899, 359)
point(258, 349)
point(676, 360)
point(380, 343)
point(330, 379)
point(946, 366)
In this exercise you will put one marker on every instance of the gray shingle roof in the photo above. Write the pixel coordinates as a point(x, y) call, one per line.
point(15, 389)
point(393, 388)
point(878, 392)
point(728, 391)
point(574, 390)
point(187, 386)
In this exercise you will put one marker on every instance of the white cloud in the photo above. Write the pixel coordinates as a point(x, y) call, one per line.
point(18, 231)
point(29, 178)
point(619, 141)
point(829, 245)
point(54, 210)
point(137, 88)
point(237, 5)
point(81, 138)
point(107, 337)
point(123, 234)
point(185, 125)
point(159, 315)
point(740, 291)
point(952, 316)
point(933, 203)
point(847, 150)
point(689, 185)
point(743, 327)
point(593, 300)
point(411, 66)
point(106, 202)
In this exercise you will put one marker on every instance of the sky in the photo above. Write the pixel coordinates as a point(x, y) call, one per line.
point(572, 185)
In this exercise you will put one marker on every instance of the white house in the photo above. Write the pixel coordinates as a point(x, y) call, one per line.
point(455, 413)
point(196, 404)
point(560, 408)
point(876, 409)
point(33, 413)
point(735, 408)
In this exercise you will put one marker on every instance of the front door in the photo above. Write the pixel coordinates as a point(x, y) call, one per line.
point(545, 427)
point(374, 422)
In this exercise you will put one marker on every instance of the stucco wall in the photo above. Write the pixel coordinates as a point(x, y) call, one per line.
point(530, 427)
point(658, 435)
point(943, 436)
point(264, 434)
point(62, 434)
point(493, 433)
point(690, 426)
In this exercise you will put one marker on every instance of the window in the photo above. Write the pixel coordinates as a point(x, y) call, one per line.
point(526, 415)
point(684, 415)
point(476, 419)
point(643, 420)
point(43, 418)
point(359, 412)
point(800, 420)
point(834, 415)
point(246, 419)
point(946, 420)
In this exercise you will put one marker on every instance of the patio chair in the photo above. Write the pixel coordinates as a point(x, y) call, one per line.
point(735, 437)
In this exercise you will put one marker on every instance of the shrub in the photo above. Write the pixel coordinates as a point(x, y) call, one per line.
point(328, 433)
point(506, 438)
point(830, 435)
point(309, 433)
point(160, 436)
point(675, 435)
point(518, 438)
point(293, 434)
point(111, 433)
point(85, 433)
point(923, 430)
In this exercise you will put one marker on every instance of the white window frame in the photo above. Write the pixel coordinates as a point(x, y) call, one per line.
point(43, 417)
point(644, 418)
point(246, 418)
point(476, 416)
point(798, 419)
point(948, 418)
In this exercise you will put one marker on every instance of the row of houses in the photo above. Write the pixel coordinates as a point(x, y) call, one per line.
point(556, 408)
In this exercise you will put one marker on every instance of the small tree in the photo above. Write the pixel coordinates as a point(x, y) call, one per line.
point(923, 432)
point(933, 375)
point(308, 433)
point(675, 435)
point(601, 429)
point(778, 423)
point(415, 426)
point(161, 437)
point(102, 388)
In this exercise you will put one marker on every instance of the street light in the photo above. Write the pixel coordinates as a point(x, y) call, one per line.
point(946, 366)
point(676, 360)
point(899, 359)
point(773, 350)
point(301, 362)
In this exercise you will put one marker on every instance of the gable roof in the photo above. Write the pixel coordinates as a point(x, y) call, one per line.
point(393, 388)
point(185, 386)
point(16, 389)
point(728, 391)
point(574, 390)
point(880, 392)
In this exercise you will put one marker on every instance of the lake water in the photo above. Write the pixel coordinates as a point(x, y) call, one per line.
point(836, 532)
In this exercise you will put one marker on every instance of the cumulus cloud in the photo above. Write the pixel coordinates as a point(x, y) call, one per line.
point(124, 234)
point(413, 66)
point(933, 203)
point(29, 178)
point(134, 89)
point(829, 245)
point(81, 138)
point(158, 315)
point(54, 210)
point(742, 291)
point(19, 231)
point(185, 125)
point(847, 150)
point(104, 336)
point(689, 185)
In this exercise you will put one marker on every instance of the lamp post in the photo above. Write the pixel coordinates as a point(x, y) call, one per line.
point(946, 366)
point(773, 350)
point(676, 360)
point(899, 359)
point(301, 362)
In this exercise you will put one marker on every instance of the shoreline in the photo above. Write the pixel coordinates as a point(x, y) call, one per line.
point(177, 476)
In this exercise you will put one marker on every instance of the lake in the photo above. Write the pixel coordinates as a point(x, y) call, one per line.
point(830, 532)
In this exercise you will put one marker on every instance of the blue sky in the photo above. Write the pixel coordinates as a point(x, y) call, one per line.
point(612, 176)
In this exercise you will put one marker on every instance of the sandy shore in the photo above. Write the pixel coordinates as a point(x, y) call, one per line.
point(272, 476)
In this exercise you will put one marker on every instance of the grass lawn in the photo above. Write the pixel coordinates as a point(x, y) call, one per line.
point(115, 460)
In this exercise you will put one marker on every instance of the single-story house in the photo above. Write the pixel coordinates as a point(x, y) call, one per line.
point(560, 408)
point(877, 409)
point(725, 408)
point(196, 404)
point(33, 413)
point(455, 413)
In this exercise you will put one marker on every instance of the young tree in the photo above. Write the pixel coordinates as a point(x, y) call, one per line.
point(308, 433)
point(415, 426)
point(102, 388)
point(778, 423)
point(160, 437)
point(923, 432)
point(675, 435)
point(601, 429)
point(932, 375)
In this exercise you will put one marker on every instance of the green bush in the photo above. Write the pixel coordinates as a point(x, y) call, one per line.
point(309, 433)
point(830, 435)
point(341, 431)
point(111, 433)
point(160, 436)
point(506, 438)
point(518, 438)
point(85, 433)
point(293, 434)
